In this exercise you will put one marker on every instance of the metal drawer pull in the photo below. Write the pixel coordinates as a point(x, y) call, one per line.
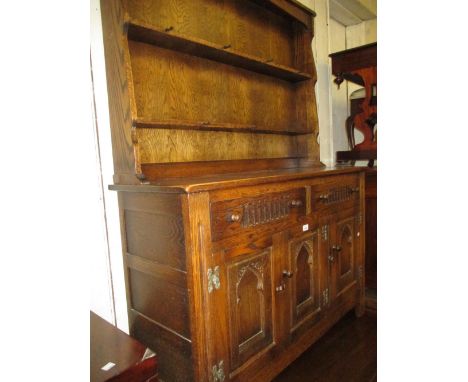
point(324, 197)
point(355, 189)
point(280, 288)
point(287, 274)
point(336, 248)
point(296, 203)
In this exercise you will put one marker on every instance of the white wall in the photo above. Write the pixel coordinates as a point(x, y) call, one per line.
point(332, 103)
point(357, 35)
point(320, 48)
point(339, 96)
point(108, 266)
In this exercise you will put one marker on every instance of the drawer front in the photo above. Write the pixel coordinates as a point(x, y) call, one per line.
point(337, 193)
point(247, 215)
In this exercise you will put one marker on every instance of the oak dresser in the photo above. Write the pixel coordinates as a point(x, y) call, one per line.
point(240, 248)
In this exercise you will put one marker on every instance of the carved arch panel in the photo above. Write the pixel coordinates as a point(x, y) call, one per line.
point(345, 257)
point(250, 306)
point(305, 281)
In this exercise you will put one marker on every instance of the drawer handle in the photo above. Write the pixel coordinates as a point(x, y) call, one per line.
point(296, 203)
point(324, 197)
point(336, 248)
point(280, 288)
point(287, 274)
point(234, 218)
point(355, 189)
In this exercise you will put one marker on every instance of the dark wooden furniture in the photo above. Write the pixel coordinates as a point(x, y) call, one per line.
point(133, 361)
point(241, 249)
point(359, 65)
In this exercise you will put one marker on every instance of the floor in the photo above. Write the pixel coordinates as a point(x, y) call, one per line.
point(347, 353)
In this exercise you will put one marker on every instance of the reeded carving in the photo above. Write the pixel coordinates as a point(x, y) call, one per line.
point(339, 194)
point(266, 210)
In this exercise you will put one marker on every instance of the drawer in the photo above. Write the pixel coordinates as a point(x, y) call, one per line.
point(337, 193)
point(255, 214)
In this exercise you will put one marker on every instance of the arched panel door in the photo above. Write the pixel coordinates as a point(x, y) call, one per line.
point(344, 254)
point(304, 274)
point(250, 306)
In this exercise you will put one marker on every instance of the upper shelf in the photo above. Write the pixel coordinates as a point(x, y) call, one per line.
point(208, 126)
point(139, 31)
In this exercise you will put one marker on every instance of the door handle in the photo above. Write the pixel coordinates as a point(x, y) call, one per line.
point(280, 287)
point(287, 274)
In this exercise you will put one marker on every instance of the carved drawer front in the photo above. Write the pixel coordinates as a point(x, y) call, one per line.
point(335, 193)
point(244, 215)
point(250, 290)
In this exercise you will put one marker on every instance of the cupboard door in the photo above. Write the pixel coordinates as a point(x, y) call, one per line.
point(250, 305)
point(343, 254)
point(304, 271)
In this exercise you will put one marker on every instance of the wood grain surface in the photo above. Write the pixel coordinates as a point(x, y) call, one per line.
point(231, 271)
point(228, 23)
point(163, 145)
point(173, 85)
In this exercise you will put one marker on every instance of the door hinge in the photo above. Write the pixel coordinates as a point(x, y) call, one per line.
point(218, 372)
point(325, 232)
point(359, 218)
point(213, 279)
point(325, 297)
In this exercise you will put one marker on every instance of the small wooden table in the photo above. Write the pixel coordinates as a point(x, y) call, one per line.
point(359, 65)
point(109, 345)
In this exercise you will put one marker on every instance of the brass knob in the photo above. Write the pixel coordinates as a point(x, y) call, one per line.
point(323, 197)
point(336, 248)
point(296, 203)
point(331, 258)
point(280, 288)
point(234, 218)
point(287, 274)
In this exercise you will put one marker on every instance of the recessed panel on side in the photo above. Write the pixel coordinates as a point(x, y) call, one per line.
point(161, 301)
point(154, 228)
